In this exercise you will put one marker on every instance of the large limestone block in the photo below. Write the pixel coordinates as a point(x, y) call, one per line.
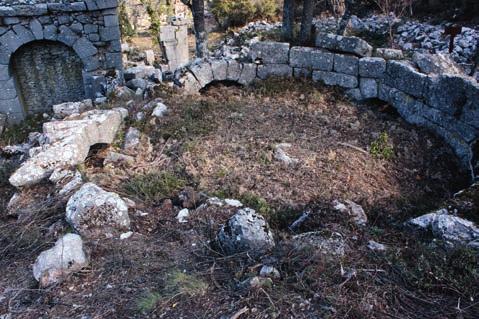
point(96, 213)
point(203, 73)
point(353, 45)
point(403, 76)
point(65, 257)
point(277, 70)
point(270, 52)
point(248, 74)
point(372, 67)
point(220, 69)
point(69, 144)
point(332, 78)
point(347, 64)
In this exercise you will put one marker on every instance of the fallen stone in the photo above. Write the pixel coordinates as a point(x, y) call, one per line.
point(375, 246)
point(436, 64)
point(233, 202)
point(67, 256)
point(75, 182)
point(329, 245)
point(69, 144)
point(355, 211)
point(446, 227)
point(183, 215)
point(95, 213)
point(69, 108)
point(202, 72)
point(132, 140)
point(136, 84)
point(118, 158)
point(149, 57)
point(138, 72)
point(269, 271)
point(281, 155)
point(353, 45)
point(160, 110)
point(246, 231)
point(389, 54)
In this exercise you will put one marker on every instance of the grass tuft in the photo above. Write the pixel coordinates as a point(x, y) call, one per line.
point(155, 186)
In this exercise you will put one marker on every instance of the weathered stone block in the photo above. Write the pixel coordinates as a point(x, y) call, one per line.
point(84, 48)
point(368, 87)
point(332, 78)
point(389, 54)
point(248, 74)
point(302, 73)
point(113, 60)
point(448, 93)
point(7, 90)
point(322, 60)
point(220, 69)
point(346, 64)
point(277, 70)
point(109, 33)
point(234, 70)
point(203, 73)
point(67, 36)
point(352, 45)
point(111, 20)
point(50, 32)
point(300, 57)
point(372, 67)
point(404, 77)
point(270, 52)
point(37, 29)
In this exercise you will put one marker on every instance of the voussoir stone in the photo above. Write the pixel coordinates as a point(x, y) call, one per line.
point(69, 143)
point(96, 213)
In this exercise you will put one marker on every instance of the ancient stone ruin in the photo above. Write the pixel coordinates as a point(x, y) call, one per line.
point(54, 51)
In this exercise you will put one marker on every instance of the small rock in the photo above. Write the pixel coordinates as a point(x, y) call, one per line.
point(282, 156)
point(96, 213)
point(183, 215)
point(65, 257)
point(259, 282)
point(70, 108)
point(126, 235)
point(246, 231)
point(233, 202)
point(149, 57)
point(72, 185)
point(269, 271)
point(376, 246)
point(132, 139)
point(118, 158)
point(328, 245)
point(160, 110)
point(354, 210)
point(60, 174)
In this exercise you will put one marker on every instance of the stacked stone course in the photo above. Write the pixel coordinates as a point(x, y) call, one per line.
point(447, 104)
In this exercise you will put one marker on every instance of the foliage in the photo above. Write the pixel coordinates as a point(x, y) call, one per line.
point(18, 133)
point(154, 186)
point(256, 202)
point(238, 12)
point(126, 28)
point(381, 148)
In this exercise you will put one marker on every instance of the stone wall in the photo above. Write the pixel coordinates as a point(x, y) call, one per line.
point(447, 104)
point(89, 28)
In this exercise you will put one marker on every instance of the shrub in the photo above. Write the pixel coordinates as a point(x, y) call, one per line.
point(239, 12)
point(381, 148)
point(154, 186)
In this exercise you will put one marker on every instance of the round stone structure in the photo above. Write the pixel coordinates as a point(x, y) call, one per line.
point(54, 51)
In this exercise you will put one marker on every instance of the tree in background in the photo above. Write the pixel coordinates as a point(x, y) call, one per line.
point(288, 20)
point(197, 8)
point(343, 23)
point(306, 22)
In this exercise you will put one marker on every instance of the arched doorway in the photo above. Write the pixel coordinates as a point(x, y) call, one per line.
point(47, 73)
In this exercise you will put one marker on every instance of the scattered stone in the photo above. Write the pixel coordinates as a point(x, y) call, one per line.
point(233, 202)
point(69, 143)
point(69, 108)
point(136, 85)
point(95, 213)
point(281, 155)
point(269, 271)
point(65, 257)
point(436, 64)
point(183, 215)
point(389, 54)
point(160, 110)
point(358, 216)
point(75, 182)
point(246, 231)
point(13, 203)
point(61, 173)
point(375, 246)
point(132, 140)
point(149, 57)
point(450, 228)
point(332, 245)
point(115, 158)
point(258, 282)
point(126, 235)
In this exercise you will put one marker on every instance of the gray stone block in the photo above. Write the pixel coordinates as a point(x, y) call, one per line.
point(67, 36)
point(448, 93)
point(50, 32)
point(77, 28)
point(276, 70)
point(84, 48)
point(403, 76)
point(11, 20)
point(90, 28)
point(12, 108)
point(372, 67)
point(106, 4)
point(220, 69)
point(203, 73)
point(109, 33)
point(7, 90)
point(352, 45)
point(300, 57)
point(4, 72)
point(322, 60)
point(5, 55)
point(270, 52)
point(113, 61)
point(10, 41)
point(368, 87)
point(91, 64)
point(234, 70)
point(302, 73)
point(354, 94)
point(111, 20)
point(37, 29)
point(347, 64)
point(389, 54)
point(24, 34)
point(339, 79)
point(248, 74)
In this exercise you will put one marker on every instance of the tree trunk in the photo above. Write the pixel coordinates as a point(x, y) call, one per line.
point(288, 20)
point(198, 10)
point(345, 18)
point(306, 22)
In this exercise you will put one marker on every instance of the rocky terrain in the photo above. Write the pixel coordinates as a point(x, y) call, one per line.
point(269, 181)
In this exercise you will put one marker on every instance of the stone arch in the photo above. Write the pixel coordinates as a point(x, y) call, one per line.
point(45, 73)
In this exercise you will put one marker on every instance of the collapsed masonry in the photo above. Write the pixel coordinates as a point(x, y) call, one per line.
point(446, 103)
point(54, 51)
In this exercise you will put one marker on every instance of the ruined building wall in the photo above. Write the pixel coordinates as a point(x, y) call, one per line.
point(81, 34)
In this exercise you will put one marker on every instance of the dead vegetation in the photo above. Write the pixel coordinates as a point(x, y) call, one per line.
point(222, 143)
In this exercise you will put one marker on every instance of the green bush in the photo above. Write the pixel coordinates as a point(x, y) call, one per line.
point(239, 12)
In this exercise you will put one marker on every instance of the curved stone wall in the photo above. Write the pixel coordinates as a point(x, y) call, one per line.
point(447, 104)
point(89, 27)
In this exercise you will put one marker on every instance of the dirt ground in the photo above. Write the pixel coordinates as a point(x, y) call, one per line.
point(223, 144)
